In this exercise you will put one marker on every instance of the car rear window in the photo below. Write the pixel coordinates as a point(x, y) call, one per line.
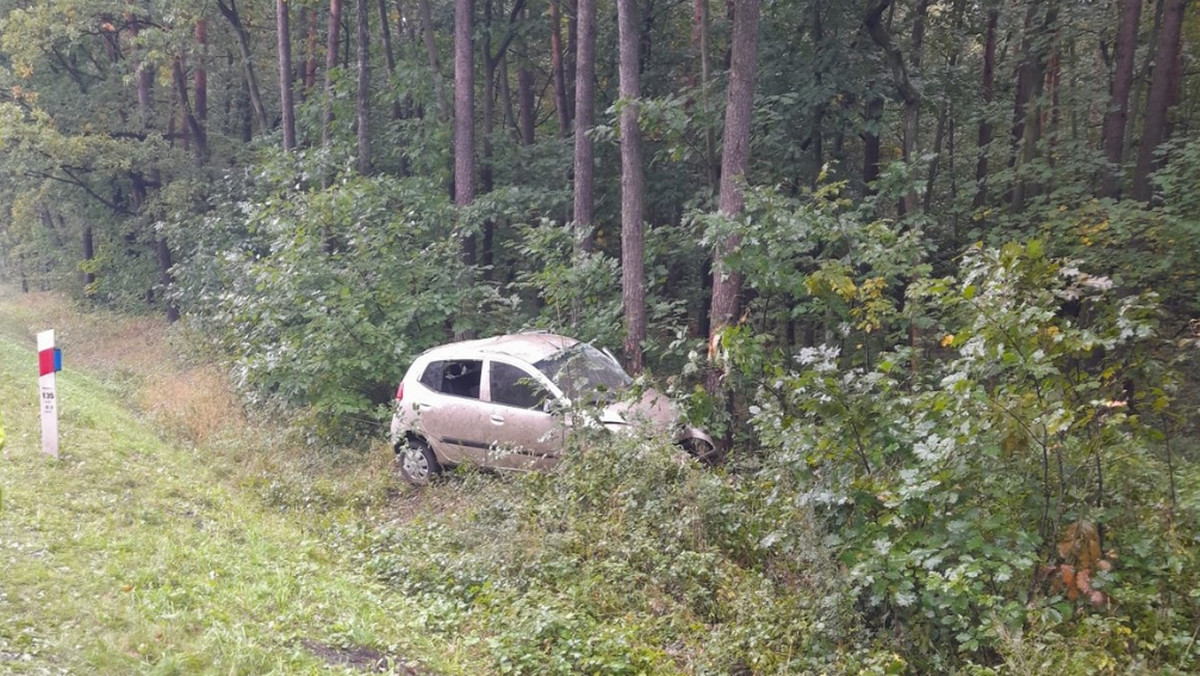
point(458, 377)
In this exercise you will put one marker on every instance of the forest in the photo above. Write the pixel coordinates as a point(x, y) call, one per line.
point(929, 270)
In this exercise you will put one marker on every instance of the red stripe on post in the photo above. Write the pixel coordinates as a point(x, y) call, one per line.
point(46, 362)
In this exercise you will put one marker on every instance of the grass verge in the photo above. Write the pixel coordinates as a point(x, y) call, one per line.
point(139, 554)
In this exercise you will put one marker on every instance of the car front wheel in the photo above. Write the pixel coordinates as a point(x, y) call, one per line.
point(418, 464)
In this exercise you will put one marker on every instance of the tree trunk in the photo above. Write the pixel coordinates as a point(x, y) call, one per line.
point(389, 58)
point(362, 99)
point(310, 61)
point(1159, 99)
point(165, 278)
point(145, 81)
point(332, 37)
point(201, 74)
point(1036, 48)
point(431, 53)
point(243, 40)
point(871, 144)
point(525, 92)
point(284, 45)
point(872, 21)
point(985, 122)
point(195, 130)
point(585, 119)
point(89, 252)
point(735, 159)
point(700, 42)
point(556, 65)
point(633, 276)
point(1118, 106)
point(816, 136)
point(464, 117)
point(486, 163)
point(571, 54)
point(945, 110)
point(505, 95)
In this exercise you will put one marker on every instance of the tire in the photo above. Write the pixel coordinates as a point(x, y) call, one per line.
point(418, 465)
point(703, 451)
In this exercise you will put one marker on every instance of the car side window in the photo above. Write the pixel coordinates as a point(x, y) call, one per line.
point(512, 386)
point(458, 377)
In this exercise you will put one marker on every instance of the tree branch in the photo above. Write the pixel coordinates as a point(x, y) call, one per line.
point(873, 22)
point(78, 183)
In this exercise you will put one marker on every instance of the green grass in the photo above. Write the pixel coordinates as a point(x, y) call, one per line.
point(135, 554)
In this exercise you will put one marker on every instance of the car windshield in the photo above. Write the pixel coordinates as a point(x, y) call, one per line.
point(584, 373)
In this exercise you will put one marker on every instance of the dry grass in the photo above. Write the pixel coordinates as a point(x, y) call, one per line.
point(107, 343)
point(192, 402)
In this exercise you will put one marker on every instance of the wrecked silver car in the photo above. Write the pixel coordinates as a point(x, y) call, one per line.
point(504, 403)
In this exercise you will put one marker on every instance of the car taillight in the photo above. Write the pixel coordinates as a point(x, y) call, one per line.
point(400, 392)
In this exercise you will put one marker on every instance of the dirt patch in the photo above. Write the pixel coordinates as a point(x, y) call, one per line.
point(364, 659)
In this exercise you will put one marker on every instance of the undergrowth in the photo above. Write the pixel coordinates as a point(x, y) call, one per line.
point(628, 558)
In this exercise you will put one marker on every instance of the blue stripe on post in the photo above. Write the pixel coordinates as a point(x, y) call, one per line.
point(57, 360)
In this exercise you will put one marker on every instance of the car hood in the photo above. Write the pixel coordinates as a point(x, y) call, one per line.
point(653, 407)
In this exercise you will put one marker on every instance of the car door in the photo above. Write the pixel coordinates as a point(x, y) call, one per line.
point(450, 411)
point(524, 434)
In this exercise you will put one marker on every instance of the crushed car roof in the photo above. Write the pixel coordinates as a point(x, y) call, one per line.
point(529, 347)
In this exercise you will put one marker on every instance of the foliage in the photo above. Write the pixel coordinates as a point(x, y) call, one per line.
point(627, 559)
point(325, 297)
point(944, 487)
point(922, 416)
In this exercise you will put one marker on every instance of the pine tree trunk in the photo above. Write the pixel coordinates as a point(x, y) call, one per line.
point(435, 69)
point(556, 65)
point(735, 159)
point(464, 116)
point(1159, 100)
point(362, 99)
point(332, 38)
point(310, 61)
point(389, 58)
point(525, 96)
point(284, 45)
point(700, 43)
point(201, 74)
point(585, 119)
point(633, 276)
point(570, 55)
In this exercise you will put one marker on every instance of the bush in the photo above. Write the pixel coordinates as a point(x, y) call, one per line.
point(948, 492)
point(629, 558)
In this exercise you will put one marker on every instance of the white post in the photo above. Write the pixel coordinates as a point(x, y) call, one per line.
point(49, 393)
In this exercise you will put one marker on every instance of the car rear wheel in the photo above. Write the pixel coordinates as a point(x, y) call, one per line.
point(418, 464)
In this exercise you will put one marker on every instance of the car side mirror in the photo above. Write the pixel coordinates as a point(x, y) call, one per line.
point(555, 406)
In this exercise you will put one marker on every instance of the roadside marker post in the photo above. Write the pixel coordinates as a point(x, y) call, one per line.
point(49, 363)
